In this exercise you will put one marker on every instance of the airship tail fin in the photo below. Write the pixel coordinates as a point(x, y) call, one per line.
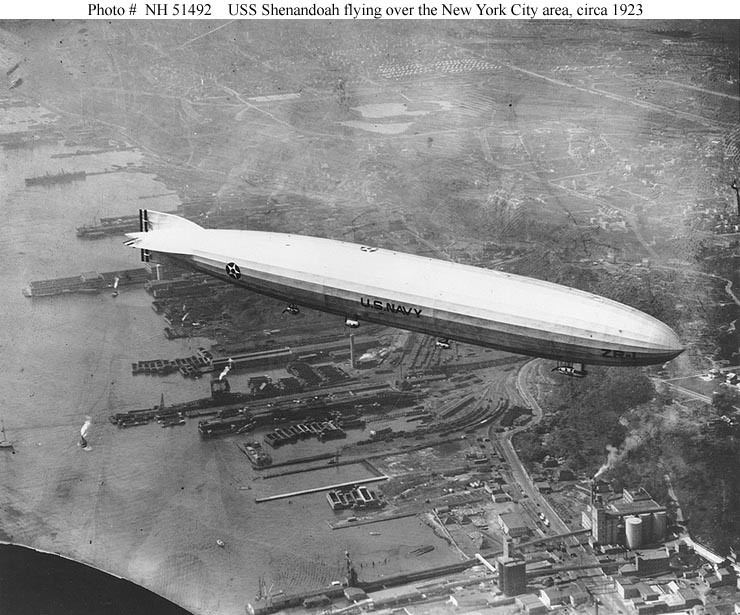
point(161, 232)
point(158, 221)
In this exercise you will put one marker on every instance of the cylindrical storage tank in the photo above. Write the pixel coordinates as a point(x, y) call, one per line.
point(659, 526)
point(633, 532)
point(647, 527)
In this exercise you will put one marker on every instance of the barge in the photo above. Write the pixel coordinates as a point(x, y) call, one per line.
point(241, 422)
point(258, 457)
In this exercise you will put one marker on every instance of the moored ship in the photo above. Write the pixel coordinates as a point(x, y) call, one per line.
point(62, 177)
point(258, 457)
point(108, 226)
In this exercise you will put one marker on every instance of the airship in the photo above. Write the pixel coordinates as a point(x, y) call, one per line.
point(448, 300)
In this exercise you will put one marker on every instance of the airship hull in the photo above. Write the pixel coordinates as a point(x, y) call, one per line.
point(440, 298)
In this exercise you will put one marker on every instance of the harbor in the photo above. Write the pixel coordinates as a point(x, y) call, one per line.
point(238, 454)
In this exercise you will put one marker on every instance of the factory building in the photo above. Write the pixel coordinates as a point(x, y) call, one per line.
point(632, 520)
point(553, 597)
point(574, 595)
point(604, 527)
point(513, 524)
point(652, 561)
point(512, 577)
point(531, 605)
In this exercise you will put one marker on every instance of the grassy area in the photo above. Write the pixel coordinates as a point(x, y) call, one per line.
point(584, 418)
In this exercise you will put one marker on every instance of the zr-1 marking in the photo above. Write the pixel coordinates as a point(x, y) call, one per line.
point(618, 354)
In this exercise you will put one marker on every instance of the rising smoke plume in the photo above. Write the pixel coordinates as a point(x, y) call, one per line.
point(611, 459)
point(615, 454)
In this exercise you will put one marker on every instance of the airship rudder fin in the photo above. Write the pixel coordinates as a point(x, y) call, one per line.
point(163, 232)
point(150, 220)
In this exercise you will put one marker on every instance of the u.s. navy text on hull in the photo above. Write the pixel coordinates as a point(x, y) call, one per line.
point(387, 306)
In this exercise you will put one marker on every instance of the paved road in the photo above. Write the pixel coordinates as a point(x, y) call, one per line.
point(685, 391)
point(526, 374)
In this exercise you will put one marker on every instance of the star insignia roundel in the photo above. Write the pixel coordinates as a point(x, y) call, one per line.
point(232, 269)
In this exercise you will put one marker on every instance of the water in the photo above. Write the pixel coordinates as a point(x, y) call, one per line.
point(33, 583)
point(63, 357)
point(54, 348)
point(147, 503)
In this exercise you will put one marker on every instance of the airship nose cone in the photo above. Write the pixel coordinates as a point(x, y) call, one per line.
point(668, 340)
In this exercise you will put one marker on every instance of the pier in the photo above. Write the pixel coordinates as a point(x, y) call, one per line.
point(109, 226)
point(352, 483)
point(344, 524)
point(349, 462)
point(87, 283)
point(298, 460)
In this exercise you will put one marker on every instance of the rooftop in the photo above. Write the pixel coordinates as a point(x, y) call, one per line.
point(623, 507)
point(513, 520)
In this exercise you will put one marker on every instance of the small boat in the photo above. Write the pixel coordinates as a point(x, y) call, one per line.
point(421, 550)
point(5, 444)
point(171, 422)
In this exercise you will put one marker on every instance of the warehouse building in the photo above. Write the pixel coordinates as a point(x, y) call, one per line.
point(513, 524)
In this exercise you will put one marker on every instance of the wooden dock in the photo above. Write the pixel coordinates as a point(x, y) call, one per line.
point(352, 483)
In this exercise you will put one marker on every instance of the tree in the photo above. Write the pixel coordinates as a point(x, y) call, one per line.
point(724, 400)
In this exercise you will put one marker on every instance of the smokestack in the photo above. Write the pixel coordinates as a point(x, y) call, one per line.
point(352, 350)
point(592, 485)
